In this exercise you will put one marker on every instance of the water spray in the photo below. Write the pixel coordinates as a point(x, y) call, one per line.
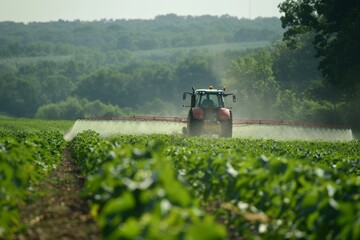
point(277, 130)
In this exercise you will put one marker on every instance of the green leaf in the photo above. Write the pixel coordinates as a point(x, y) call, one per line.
point(204, 231)
point(119, 204)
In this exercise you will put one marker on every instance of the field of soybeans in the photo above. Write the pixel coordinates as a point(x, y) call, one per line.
point(158, 186)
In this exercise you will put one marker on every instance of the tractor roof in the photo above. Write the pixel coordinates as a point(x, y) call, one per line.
point(207, 90)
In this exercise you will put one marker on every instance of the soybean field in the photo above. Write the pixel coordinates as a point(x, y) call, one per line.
point(158, 186)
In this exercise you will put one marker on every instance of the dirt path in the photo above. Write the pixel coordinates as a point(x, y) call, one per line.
point(60, 213)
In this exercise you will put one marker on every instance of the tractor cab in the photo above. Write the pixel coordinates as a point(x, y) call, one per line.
point(206, 98)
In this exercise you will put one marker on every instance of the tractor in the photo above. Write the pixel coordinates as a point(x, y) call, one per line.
point(208, 114)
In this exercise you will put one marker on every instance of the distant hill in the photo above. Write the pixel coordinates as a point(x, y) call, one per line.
point(164, 32)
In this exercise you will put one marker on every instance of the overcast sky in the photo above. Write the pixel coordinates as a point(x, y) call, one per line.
point(53, 10)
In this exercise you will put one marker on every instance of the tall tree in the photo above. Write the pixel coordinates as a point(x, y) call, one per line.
point(106, 85)
point(252, 79)
point(336, 25)
point(295, 69)
point(19, 96)
point(195, 71)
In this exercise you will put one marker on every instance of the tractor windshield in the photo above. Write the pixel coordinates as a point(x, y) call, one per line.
point(209, 99)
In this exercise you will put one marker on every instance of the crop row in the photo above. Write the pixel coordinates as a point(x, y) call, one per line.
point(136, 194)
point(153, 186)
point(276, 189)
point(25, 159)
point(276, 197)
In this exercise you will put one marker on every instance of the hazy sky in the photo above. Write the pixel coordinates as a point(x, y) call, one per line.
point(47, 10)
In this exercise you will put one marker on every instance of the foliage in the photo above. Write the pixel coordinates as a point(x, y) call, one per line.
point(166, 31)
point(25, 159)
point(75, 108)
point(334, 25)
point(158, 107)
point(252, 77)
point(18, 96)
point(195, 71)
point(256, 188)
point(295, 69)
point(135, 192)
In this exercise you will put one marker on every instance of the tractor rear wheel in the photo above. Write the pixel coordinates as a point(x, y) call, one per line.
point(194, 125)
point(226, 129)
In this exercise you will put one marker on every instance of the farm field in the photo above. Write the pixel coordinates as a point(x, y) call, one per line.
point(32, 125)
point(174, 187)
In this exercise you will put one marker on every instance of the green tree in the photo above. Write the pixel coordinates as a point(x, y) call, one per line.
point(125, 42)
point(106, 85)
point(335, 24)
point(56, 88)
point(158, 107)
point(73, 108)
point(195, 71)
point(19, 96)
point(151, 81)
point(295, 69)
point(252, 79)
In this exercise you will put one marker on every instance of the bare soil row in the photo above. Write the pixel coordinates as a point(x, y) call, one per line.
point(60, 212)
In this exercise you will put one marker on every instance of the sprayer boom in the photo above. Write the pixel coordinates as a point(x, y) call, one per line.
point(140, 118)
point(269, 129)
point(236, 122)
point(287, 123)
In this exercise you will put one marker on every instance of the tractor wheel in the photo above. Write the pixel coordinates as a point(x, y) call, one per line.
point(184, 131)
point(194, 126)
point(226, 129)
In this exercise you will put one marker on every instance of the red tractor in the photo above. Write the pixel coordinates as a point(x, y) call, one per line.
point(208, 114)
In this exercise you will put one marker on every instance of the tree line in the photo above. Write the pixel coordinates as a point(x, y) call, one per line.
point(165, 31)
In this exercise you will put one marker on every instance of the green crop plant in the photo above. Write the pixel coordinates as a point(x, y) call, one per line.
point(25, 159)
point(255, 188)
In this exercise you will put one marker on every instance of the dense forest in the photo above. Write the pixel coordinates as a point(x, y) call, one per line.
point(72, 69)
